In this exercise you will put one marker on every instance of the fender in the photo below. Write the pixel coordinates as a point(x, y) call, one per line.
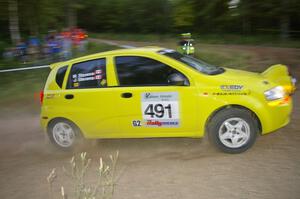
point(279, 74)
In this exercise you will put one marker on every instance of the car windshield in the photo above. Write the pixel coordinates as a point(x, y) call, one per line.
point(197, 64)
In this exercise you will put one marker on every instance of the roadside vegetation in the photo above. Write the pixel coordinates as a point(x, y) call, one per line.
point(270, 40)
point(79, 187)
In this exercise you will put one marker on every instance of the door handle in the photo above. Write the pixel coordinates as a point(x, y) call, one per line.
point(69, 96)
point(126, 95)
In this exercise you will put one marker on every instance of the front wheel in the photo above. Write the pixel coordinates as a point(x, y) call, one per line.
point(63, 133)
point(233, 130)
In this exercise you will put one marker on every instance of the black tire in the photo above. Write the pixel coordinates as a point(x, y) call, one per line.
point(54, 138)
point(219, 122)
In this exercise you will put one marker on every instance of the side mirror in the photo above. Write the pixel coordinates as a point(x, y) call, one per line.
point(177, 79)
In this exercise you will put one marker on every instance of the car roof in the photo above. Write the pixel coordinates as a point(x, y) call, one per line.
point(139, 50)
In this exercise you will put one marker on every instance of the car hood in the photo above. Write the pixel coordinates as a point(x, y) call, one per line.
point(239, 75)
point(274, 76)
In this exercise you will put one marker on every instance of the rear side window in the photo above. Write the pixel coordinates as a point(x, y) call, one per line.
point(89, 74)
point(60, 75)
point(142, 71)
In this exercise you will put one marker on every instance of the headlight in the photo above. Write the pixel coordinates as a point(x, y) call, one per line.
point(275, 93)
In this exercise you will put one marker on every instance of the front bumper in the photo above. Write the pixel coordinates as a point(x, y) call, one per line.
point(277, 115)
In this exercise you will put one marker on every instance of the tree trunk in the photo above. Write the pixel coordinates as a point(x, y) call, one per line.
point(284, 27)
point(71, 14)
point(285, 20)
point(14, 21)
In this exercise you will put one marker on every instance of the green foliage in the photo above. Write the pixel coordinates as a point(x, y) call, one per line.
point(183, 14)
point(159, 16)
point(211, 15)
point(126, 15)
point(38, 16)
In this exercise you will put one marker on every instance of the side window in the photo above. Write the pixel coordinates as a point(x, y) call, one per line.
point(142, 71)
point(60, 75)
point(88, 74)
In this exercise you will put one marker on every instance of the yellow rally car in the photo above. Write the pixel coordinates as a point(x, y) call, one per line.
point(157, 92)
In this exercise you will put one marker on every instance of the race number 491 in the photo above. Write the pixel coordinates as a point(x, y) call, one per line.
point(160, 106)
point(158, 110)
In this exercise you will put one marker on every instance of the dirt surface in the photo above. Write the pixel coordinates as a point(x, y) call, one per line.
point(156, 168)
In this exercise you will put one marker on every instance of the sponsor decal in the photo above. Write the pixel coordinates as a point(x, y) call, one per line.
point(50, 96)
point(232, 87)
point(161, 123)
point(160, 109)
point(103, 82)
point(81, 77)
point(98, 77)
point(98, 71)
point(136, 123)
point(231, 90)
point(229, 93)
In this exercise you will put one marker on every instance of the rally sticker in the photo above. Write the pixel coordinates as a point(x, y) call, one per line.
point(81, 77)
point(160, 109)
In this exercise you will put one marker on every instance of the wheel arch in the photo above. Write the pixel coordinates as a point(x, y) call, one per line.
point(234, 106)
point(62, 118)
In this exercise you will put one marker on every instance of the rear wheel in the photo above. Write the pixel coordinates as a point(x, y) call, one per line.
point(63, 133)
point(233, 130)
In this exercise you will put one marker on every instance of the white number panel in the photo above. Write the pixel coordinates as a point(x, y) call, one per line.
point(160, 109)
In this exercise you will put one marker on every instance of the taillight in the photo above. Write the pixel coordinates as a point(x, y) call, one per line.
point(41, 97)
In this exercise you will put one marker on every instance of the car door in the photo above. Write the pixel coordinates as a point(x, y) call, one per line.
point(148, 105)
point(88, 101)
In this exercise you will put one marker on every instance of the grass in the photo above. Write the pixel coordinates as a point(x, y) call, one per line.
point(223, 57)
point(261, 40)
point(20, 91)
